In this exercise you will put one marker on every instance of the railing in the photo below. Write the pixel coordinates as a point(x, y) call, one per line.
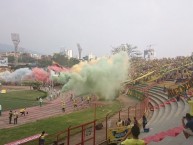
point(86, 134)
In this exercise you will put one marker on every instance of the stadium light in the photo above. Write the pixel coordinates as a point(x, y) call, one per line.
point(16, 40)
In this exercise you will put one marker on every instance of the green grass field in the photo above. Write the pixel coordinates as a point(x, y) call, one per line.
point(20, 99)
point(55, 124)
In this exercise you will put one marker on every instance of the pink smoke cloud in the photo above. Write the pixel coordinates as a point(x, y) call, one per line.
point(40, 75)
point(58, 68)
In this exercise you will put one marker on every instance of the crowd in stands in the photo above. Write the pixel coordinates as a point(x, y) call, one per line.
point(162, 67)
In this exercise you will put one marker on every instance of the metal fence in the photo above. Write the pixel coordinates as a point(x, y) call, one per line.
point(88, 134)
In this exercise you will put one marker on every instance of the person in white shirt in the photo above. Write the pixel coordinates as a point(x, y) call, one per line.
point(41, 101)
point(0, 109)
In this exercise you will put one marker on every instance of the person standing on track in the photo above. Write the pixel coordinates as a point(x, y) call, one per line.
point(0, 109)
point(63, 106)
point(15, 115)
point(40, 101)
point(10, 116)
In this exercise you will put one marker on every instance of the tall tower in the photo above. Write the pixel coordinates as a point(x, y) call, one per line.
point(79, 51)
point(16, 40)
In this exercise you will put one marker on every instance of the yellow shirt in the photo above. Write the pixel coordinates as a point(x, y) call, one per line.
point(75, 101)
point(133, 142)
point(22, 110)
point(63, 104)
point(191, 106)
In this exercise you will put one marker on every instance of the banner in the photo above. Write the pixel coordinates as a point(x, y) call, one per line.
point(117, 134)
point(137, 94)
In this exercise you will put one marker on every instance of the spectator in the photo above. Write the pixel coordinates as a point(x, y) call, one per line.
point(178, 98)
point(136, 122)
point(10, 116)
point(0, 109)
point(188, 127)
point(144, 122)
point(123, 123)
point(42, 138)
point(164, 89)
point(135, 131)
point(119, 123)
point(15, 115)
point(128, 121)
point(185, 95)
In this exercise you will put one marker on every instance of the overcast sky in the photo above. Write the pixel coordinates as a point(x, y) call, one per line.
point(98, 25)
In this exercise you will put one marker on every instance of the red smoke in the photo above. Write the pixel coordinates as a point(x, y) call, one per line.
point(40, 75)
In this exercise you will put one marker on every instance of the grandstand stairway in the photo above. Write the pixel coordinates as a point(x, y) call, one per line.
point(165, 119)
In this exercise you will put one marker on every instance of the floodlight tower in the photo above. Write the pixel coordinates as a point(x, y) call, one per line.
point(16, 40)
point(79, 51)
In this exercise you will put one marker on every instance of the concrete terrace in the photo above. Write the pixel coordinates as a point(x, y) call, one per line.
point(166, 118)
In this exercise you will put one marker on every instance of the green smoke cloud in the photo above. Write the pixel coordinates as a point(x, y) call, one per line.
point(103, 78)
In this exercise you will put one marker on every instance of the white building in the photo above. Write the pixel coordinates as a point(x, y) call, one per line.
point(36, 56)
point(90, 56)
point(149, 54)
point(3, 61)
point(68, 53)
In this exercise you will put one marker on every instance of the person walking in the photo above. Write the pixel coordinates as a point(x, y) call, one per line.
point(22, 111)
point(75, 103)
point(40, 101)
point(42, 138)
point(15, 115)
point(63, 106)
point(10, 116)
point(0, 109)
point(88, 99)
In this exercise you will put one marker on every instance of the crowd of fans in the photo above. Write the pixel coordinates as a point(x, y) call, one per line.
point(163, 69)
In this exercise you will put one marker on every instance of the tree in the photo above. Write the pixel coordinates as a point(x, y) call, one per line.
point(26, 59)
point(73, 61)
point(11, 59)
point(131, 50)
point(44, 62)
point(63, 60)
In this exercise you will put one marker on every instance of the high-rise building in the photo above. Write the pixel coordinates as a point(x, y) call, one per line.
point(68, 53)
point(79, 51)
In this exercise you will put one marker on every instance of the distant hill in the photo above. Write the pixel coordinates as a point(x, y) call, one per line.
point(6, 48)
point(9, 48)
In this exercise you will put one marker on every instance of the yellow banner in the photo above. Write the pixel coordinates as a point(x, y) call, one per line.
point(117, 134)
